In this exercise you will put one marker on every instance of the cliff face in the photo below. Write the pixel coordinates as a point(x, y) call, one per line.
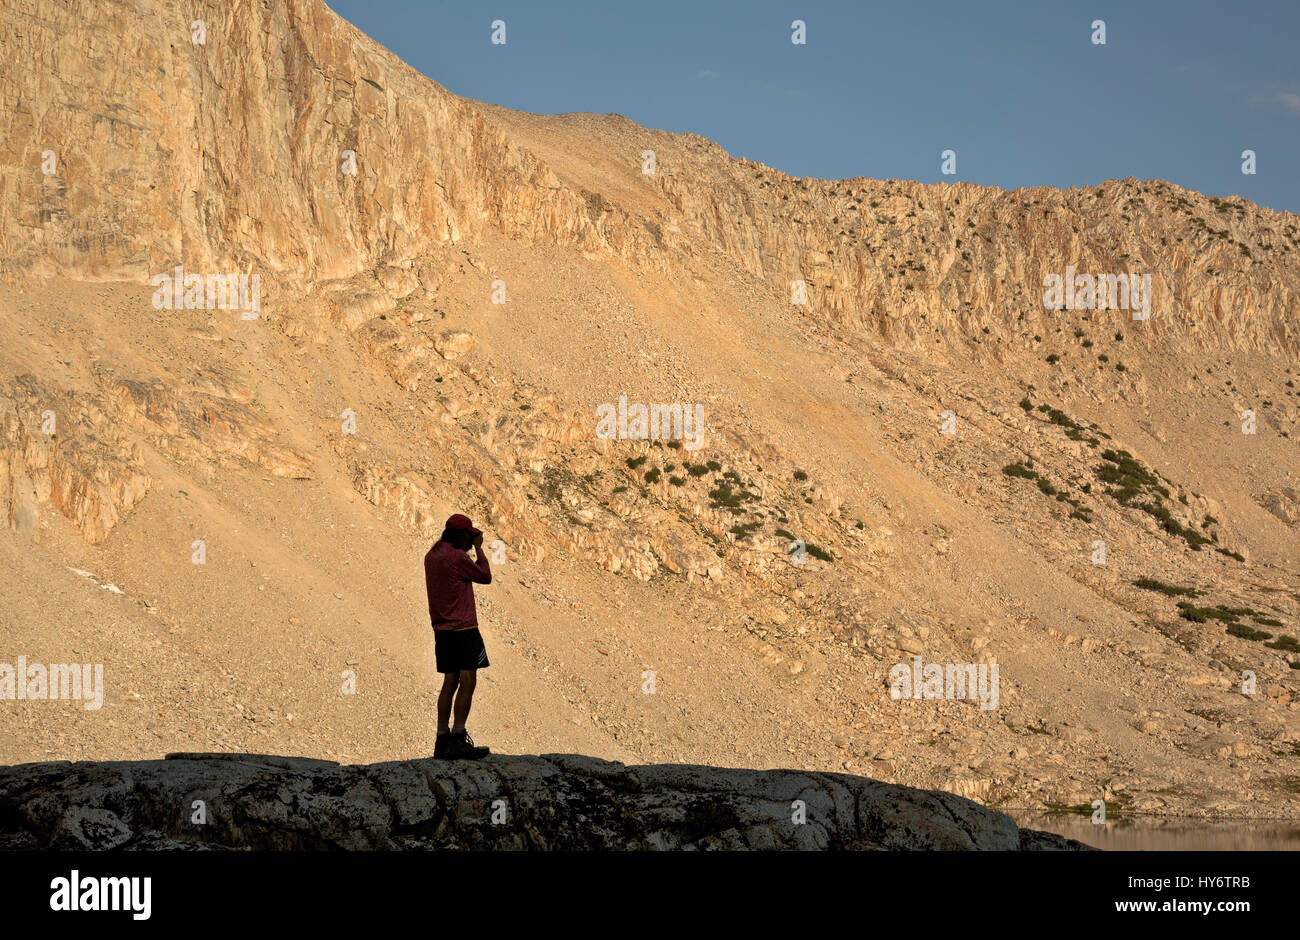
point(552, 802)
point(233, 155)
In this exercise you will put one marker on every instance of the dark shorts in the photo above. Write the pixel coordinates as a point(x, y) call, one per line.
point(458, 650)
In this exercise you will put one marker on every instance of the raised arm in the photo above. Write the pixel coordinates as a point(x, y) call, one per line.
point(477, 570)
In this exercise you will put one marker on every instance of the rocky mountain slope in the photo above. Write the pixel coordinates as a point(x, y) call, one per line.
point(555, 802)
point(470, 298)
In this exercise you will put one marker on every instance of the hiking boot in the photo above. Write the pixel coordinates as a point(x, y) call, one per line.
point(440, 745)
point(460, 746)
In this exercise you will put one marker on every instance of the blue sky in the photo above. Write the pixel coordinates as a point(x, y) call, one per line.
point(1017, 89)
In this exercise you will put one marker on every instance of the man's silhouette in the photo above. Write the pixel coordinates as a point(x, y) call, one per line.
point(449, 577)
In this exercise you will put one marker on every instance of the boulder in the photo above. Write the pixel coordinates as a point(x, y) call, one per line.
point(548, 802)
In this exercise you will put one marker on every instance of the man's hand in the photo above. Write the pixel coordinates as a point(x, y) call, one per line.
point(478, 541)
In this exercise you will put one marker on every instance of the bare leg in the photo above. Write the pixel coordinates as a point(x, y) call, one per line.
point(464, 697)
point(449, 682)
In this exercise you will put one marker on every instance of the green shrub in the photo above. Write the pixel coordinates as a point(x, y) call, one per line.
point(724, 495)
point(1173, 590)
point(1228, 615)
point(1060, 418)
point(1247, 633)
point(818, 552)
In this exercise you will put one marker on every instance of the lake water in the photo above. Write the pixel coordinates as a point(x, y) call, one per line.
point(1166, 834)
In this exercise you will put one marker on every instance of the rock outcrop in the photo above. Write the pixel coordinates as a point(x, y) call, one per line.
point(552, 802)
point(66, 452)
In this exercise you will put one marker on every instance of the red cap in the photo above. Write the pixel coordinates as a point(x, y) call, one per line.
point(462, 522)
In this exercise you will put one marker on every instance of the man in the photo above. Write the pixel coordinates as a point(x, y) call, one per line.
point(449, 577)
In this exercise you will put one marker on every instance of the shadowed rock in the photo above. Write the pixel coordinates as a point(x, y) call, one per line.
point(555, 801)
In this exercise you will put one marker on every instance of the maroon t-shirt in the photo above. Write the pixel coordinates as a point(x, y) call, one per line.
point(447, 576)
